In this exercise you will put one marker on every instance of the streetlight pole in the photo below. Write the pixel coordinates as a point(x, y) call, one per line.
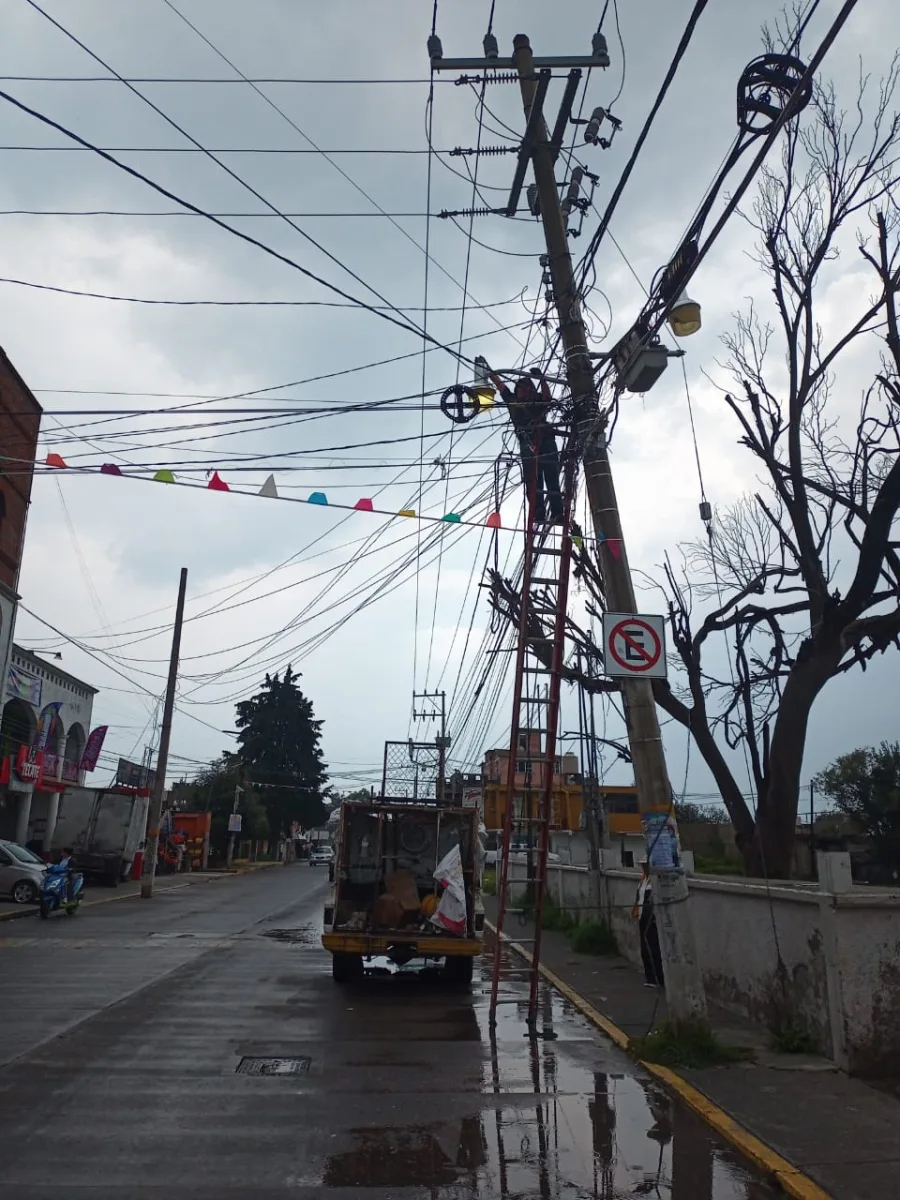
point(232, 833)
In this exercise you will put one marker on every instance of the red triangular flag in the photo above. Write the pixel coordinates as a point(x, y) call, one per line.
point(56, 460)
point(110, 469)
point(493, 521)
point(217, 483)
point(364, 505)
point(615, 547)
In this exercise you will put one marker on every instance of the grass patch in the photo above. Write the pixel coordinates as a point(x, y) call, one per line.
point(687, 1045)
point(555, 919)
point(717, 866)
point(489, 883)
point(794, 1039)
point(593, 937)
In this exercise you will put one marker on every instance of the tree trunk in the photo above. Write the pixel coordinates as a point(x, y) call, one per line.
point(772, 850)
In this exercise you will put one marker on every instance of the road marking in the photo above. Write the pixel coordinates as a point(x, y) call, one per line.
point(788, 1177)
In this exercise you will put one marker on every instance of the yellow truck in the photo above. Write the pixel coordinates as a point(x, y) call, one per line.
point(407, 885)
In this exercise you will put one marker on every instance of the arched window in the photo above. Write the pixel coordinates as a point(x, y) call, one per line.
point(17, 726)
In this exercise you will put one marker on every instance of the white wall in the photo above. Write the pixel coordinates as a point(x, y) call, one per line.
point(830, 963)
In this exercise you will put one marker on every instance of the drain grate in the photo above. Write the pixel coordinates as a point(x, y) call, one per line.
point(274, 1066)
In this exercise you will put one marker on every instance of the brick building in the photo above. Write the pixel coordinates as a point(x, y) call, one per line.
point(20, 422)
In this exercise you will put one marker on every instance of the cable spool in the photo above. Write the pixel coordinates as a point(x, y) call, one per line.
point(764, 89)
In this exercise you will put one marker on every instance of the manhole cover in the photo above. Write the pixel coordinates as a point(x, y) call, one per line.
point(273, 1066)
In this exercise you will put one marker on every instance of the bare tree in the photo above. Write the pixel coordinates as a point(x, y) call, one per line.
point(800, 581)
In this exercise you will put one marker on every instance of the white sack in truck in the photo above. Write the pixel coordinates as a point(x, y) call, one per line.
point(451, 912)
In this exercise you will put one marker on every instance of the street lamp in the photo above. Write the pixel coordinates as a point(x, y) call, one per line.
point(483, 391)
point(684, 316)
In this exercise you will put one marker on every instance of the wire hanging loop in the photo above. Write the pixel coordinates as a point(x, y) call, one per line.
point(460, 404)
point(765, 88)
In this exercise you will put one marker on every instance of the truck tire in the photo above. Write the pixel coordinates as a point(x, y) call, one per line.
point(346, 968)
point(458, 970)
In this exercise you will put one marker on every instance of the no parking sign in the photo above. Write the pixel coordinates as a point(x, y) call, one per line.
point(634, 647)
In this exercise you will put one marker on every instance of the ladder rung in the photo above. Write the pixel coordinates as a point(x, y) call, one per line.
point(548, 550)
point(538, 670)
point(546, 579)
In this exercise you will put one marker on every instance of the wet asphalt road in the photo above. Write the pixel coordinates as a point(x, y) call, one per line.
point(127, 1034)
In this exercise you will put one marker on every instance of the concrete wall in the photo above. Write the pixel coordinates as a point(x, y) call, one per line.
point(829, 964)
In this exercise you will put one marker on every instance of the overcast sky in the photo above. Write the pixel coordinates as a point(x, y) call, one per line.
point(273, 582)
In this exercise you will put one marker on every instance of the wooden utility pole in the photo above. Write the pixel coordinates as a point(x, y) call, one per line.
point(232, 833)
point(159, 783)
point(685, 995)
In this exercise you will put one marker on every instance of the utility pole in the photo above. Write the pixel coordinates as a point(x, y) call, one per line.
point(162, 760)
point(232, 833)
point(684, 984)
point(437, 711)
point(812, 831)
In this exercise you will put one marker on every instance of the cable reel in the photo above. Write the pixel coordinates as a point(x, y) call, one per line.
point(764, 89)
point(460, 404)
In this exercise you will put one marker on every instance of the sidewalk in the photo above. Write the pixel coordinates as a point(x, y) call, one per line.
point(835, 1132)
point(162, 883)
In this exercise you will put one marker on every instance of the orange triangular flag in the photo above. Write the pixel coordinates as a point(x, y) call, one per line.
point(217, 483)
point(56, 460)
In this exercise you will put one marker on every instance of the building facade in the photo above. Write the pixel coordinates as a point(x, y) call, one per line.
point(20, 422)
point(30, 786)
point(567, 796)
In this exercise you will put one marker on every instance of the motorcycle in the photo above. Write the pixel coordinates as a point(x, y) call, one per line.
point(55, 892)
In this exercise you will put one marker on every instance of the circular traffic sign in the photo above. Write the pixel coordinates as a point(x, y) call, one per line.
point(635, 657)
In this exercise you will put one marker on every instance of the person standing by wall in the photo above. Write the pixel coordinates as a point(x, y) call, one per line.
point(651, 955)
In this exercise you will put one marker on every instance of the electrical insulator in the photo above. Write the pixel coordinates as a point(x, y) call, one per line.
point(544, 260)
point(545, 279)
point(491, 49)
point(534, 200)
point(599, 48)
point(705, 511)
point(572, 193)
point(435, 49)
point(592, 129)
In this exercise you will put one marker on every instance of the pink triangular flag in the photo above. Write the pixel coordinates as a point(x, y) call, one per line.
point(364, 505)
point(615, 547)
point(217, 483)
point(269, 489)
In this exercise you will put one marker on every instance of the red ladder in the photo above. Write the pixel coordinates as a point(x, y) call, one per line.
point(535, 720)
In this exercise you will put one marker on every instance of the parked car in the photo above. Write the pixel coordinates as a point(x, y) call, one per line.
point(321, 856)
point(21, 873)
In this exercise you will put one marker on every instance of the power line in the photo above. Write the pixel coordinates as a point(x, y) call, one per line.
point(244, 237)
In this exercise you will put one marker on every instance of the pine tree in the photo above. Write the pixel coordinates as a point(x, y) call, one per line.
point(279, 751)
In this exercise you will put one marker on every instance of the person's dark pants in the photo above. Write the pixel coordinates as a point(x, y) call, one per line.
point(651, 955)
point(549, 466)
point(540, 471)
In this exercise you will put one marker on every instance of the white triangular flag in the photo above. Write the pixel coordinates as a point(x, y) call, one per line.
point(269, 489)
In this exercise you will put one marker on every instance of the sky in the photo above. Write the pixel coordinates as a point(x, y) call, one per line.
point(368, 608)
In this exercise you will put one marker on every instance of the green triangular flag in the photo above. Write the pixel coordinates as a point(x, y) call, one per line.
point(164, 476)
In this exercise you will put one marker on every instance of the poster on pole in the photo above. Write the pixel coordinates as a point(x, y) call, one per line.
point(234, 823)
point(634, 647)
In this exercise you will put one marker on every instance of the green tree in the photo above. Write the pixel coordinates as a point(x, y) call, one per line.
point(280, 753)
point(212, 790)
point(865, 786)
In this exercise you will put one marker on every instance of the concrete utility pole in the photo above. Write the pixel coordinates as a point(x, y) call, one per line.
point(684, 985)
point(159, 783)
point(441, 741)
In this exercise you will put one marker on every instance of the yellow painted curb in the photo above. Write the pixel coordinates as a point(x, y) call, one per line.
point(791, 1180)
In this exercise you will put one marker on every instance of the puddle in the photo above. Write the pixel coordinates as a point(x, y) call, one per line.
point(504, 1116)
point(305, 935)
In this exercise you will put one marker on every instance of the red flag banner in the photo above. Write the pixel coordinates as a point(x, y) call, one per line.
point(92, 748)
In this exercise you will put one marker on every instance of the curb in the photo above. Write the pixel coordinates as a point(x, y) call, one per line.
point(789, 1178)
point(27, 911)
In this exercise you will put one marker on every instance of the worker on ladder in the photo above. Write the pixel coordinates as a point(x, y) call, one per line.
point(528, 409)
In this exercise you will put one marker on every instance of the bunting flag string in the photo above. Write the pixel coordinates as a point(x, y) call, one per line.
point(270, 491)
